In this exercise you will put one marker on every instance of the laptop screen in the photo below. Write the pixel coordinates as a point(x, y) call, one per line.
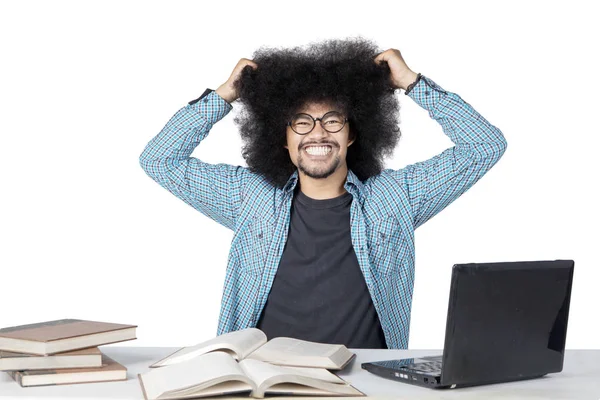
point(506, 321)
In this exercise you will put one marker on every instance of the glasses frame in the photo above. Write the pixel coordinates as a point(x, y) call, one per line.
point(315, 122)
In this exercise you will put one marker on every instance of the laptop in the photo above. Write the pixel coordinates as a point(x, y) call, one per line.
point(506, 321)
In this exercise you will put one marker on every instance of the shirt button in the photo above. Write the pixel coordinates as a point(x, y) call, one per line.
point(205, 100)
point(427, 93)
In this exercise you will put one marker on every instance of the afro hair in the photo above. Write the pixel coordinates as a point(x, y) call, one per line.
point(340, 71)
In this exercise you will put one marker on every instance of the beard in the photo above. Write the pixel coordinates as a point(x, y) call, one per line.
point(318, 170)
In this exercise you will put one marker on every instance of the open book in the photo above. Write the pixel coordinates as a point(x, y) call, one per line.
point(251, 343)
point(218, 373)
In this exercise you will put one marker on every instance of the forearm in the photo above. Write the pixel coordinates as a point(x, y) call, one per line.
point(212, 189)
point(433, 184)
point(463, 124)
point(226, 94)
point(185, 130)
point(407, 79)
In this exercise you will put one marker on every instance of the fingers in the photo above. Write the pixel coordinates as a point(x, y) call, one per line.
point(244, 62)
point(237, 71)
point(386, 55)
point(381, 57)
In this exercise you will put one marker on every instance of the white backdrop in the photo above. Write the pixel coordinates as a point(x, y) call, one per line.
point(85, 85)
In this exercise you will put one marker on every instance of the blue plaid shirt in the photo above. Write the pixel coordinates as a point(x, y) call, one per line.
point(385, 211)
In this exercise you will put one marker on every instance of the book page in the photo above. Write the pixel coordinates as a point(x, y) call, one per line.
point(260, 371)
point(220, 389)
point(299, 385)
point(270, 378)
point(291, 389)
point(238, 343)
point(199, 373)
point(295, 352)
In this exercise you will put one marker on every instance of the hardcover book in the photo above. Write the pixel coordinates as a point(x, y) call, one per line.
point(109, 371)
point(85, 358)
point(62, 335)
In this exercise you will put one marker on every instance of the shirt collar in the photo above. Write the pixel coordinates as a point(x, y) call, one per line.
point(291, 183)
point(352, 185)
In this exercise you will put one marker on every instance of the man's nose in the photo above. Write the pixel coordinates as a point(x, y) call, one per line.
point(319, 129)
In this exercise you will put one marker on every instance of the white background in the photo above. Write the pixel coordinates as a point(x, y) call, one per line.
point(85, 85)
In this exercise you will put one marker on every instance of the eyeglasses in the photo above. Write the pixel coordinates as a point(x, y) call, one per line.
point(332, 122)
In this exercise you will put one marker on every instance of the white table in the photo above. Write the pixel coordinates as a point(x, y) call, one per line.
point(580, 379)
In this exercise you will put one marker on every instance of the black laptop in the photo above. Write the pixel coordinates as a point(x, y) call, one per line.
point(506, 321)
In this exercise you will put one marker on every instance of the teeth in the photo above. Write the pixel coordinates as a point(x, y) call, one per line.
point(318, 151)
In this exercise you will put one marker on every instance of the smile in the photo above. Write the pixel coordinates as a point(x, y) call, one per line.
point(318, 150)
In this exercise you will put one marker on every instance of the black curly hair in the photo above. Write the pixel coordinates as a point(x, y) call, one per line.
point(340, 71)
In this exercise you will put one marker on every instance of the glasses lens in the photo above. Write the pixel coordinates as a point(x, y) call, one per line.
point(302, 123)
point(333, 121)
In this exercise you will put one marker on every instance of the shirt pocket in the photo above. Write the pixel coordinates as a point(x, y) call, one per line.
point(254, 247)
point(385, 245)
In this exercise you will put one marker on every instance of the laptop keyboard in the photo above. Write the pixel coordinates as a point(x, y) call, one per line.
point(430, 367)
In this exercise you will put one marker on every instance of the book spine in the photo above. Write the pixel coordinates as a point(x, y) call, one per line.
point(17, 376)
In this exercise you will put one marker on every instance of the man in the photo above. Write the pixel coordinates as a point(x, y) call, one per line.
point(323, 245)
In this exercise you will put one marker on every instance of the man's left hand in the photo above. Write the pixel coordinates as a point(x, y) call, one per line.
point(401, 75)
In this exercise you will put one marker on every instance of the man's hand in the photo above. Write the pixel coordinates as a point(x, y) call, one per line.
point(227, 90)
point(401, 75)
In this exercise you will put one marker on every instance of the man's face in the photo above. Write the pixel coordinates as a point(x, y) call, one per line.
point(319, 153)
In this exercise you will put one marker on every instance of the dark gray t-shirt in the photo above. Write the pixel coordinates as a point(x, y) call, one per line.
point(319, 293)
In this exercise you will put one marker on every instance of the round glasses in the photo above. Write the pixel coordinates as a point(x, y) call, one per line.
point(332, 122)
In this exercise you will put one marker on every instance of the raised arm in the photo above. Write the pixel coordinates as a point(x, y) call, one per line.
point(433, 184)
point(212, 189)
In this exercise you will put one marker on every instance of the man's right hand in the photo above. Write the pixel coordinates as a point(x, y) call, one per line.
point(227, 90)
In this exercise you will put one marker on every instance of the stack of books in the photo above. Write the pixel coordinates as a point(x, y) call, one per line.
point(62, 352)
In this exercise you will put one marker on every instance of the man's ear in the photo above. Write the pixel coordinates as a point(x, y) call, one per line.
point(351, 138)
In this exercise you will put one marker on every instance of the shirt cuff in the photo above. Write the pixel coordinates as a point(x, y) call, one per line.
point(211, 107)
point(206, 93)
point(426, 93)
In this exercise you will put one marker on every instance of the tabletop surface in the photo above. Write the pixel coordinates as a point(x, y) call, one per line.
point(580, 379)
